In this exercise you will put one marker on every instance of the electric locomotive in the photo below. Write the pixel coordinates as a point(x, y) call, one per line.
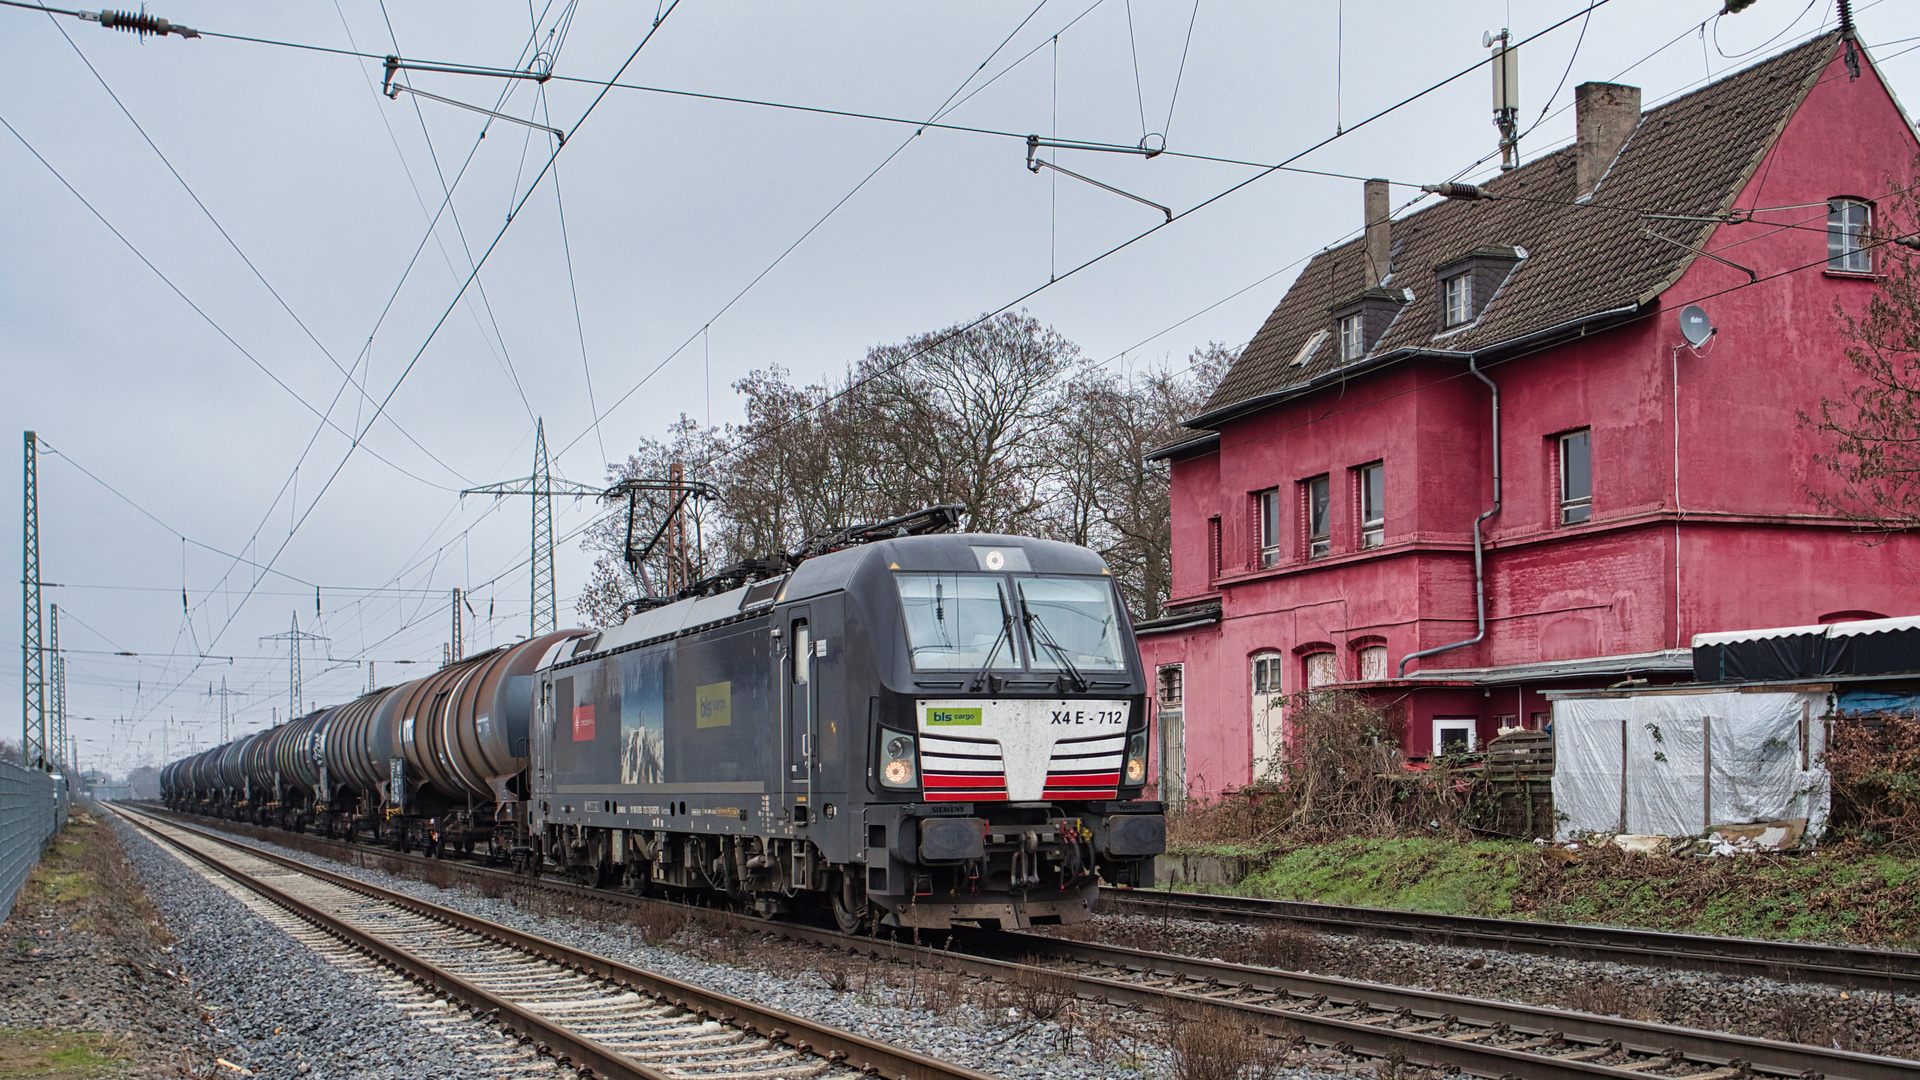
point(922, 731)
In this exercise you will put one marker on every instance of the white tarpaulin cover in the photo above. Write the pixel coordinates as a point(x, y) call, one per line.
point(1678, 764)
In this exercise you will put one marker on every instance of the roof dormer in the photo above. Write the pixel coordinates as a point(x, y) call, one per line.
point(1361, 319)
point(1466, 285)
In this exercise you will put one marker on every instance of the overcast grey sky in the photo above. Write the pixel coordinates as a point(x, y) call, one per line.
point(195, 399)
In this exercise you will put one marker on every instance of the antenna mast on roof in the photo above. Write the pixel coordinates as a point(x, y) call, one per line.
point(1506, 94)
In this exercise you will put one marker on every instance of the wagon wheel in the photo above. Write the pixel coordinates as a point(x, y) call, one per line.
point(850, 910)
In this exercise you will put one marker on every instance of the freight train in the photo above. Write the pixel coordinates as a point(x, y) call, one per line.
point(918, 730)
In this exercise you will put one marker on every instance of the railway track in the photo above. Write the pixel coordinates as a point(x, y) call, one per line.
point(1834, 965)
point(598, 1016)
point(1426, 1028)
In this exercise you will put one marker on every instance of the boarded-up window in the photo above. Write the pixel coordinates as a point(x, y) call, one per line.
point(1322, 668)
point(1373, 662)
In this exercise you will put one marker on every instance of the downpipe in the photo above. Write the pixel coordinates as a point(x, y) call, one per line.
point(1479, 543)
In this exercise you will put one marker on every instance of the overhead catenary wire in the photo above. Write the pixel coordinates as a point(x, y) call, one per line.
point(967, 327)
point(232, 243)
point(196, 308)
point(441, 321)
point(802, 238)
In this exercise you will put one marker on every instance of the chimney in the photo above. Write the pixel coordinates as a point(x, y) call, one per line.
point(1379, 219)
point(1606, 114)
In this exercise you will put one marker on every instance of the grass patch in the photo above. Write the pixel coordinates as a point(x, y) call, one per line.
point(87, 875)
point(1471, 878)
point(56, 1055)
point(1844, 892)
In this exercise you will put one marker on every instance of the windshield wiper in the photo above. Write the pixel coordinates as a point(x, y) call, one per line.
point(984, 675)
point(1045, 637)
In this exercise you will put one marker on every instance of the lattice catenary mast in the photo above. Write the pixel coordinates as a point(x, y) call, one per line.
point(57, 728)
point(33, 678)
point(225, 712)
point(543, 488)
point(293, 638)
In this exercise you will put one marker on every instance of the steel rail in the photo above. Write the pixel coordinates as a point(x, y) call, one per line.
point(588, 1056)
point(835, 1044)
point(1715, 1052)
point(1637, 1036)
point(1723, 1055)
point(1835, 965)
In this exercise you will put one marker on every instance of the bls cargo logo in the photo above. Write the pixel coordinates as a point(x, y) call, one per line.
point(713, 705)
point(953, 717)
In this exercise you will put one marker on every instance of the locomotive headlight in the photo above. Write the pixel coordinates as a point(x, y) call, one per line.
point(1137, 758)
point(896, 761)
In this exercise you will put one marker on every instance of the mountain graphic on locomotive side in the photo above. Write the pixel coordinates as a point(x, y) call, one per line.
point(910, 729)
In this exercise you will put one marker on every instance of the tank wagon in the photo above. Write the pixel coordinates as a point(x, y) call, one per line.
point(921, 730)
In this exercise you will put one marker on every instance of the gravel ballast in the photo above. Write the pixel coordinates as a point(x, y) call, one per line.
point(278, 1008)
point(1024, 1033)
point(1858, 1020)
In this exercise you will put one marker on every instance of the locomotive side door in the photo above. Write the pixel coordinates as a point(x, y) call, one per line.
point(800, 700)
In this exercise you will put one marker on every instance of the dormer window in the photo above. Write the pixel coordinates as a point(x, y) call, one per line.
point(1848, 221)
point(1457, 299)
point(1468, 283)
point(1364, 318)
point(1353, 339)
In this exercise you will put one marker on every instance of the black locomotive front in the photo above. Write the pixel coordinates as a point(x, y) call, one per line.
point(926, 730)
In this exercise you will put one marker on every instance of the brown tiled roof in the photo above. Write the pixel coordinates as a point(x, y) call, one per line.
point(1690, 156)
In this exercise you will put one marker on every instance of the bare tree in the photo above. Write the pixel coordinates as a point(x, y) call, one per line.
point(1000, 418)
point(1875, 428)
point(1107, 495)
point(966, 413)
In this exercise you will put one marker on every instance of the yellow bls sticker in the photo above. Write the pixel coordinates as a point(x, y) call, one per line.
point(953, 717)
point(713, 705)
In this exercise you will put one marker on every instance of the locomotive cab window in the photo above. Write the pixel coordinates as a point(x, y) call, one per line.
point(1073, 624)
point(958, 621)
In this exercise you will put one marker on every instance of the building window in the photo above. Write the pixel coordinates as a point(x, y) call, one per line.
point(1373, 502)
point(1268, 717)
point(1847, 226)
point(1373, 663)
point(1457, 293)
point(1214, 562)
point(1576, 477)
point(1352, 341)
point(1317, 492)
point(1266, 673)
point(1309, 348)
point(1267, 503)
point(1173, 685)
point(1322, 668)
point(1454, 735)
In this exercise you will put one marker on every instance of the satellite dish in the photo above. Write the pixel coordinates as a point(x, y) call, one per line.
point(1695, 326)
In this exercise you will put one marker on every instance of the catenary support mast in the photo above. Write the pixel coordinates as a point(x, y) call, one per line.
point(542, 487)
point(33, 678)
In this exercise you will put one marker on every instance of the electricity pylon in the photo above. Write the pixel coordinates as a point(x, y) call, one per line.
point(543, 488)
point(293, 638)
point(223, 694)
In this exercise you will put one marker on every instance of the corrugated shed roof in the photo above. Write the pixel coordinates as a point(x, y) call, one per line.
point(1690, 156)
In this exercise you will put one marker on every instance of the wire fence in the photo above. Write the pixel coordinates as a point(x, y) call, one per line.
point(33, 806)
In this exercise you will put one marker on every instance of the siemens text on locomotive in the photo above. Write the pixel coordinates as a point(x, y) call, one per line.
point(922, 730)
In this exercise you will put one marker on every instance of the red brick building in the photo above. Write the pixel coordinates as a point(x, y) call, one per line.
point(1471, 456)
